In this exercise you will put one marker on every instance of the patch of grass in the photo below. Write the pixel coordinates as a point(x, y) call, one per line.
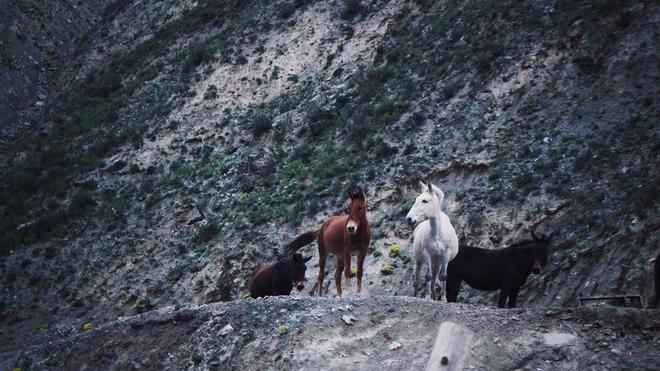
point(395, 251)
point(387, 269)
point(206, 232)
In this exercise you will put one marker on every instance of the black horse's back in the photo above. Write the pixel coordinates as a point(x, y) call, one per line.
point(505, 269)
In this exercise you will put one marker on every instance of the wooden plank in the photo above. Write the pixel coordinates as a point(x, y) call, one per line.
point(452, 346)
point(632, 300)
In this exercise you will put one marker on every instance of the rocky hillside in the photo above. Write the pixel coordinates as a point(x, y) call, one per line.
point(372, 333)
point(189, 141)
point(38, 48)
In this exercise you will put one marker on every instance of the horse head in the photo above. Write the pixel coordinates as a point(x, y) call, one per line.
point(299, 269)
point(357, 209)
point(427, 204)
point(540, 251)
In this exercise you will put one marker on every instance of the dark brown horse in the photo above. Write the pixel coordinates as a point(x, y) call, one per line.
point(343, 236)
point(505, 269)
point(279, 278)
point(656, 275)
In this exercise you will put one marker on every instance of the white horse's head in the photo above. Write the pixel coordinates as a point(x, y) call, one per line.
point(427, 205)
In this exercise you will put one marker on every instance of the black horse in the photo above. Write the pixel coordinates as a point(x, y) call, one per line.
point(278, 278)
point(506, 269)
point(656, 274)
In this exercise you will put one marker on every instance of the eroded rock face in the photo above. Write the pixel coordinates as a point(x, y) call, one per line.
point(390, 332)
point(36, 47)
point(537, 117)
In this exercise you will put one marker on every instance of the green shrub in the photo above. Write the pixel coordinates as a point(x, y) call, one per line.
point(207, 231)
point(260, 124)
point(350, 9)
point(286, 9)
point(102, 85)
point(395, 251)
point(476, 220)
point(387, 269)
point(81, 202)
point(197, 54)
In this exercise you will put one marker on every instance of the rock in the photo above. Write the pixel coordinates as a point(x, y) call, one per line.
point(195, 216)
point(555, 339)
point(117, 166)
point(395, 345)
point(227, 329)
point(348, 319)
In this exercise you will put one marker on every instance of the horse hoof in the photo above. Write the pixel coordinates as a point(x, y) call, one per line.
point(443, 299)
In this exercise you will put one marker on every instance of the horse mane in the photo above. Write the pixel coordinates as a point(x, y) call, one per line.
point(519, 244)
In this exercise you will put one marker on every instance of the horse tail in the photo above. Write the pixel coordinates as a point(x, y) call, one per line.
point(300, 241)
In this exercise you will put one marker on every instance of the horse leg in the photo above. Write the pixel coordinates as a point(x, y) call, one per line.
point(453, 287)
point(454, 279)
point(338, 271)
point(416, 270)
point(443, 278)
point(360, 264)
point(322, 256)
point(504, 293)
point(513, 297)
point(347, 271)
point(430, 278)
point(434, 273)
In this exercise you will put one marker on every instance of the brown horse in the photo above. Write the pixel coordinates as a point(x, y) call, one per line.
point(343, 236)
point(279, 278)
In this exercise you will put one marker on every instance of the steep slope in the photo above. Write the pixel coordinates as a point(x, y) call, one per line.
point(534, 116)
point(37, 47)
point(371, 333)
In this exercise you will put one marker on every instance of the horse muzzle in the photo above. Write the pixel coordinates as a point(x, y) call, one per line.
point(411, 222)
point(536, 267)
point(351, 228)
point(300, 285)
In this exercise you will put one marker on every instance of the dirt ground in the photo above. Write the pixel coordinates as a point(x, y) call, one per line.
point(360, 333)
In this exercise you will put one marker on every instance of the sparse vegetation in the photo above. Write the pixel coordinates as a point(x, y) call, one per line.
point(387, 269)
point(434, 103)
point(395, 250)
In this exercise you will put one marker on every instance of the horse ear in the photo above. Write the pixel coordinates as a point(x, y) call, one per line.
point(356, 192)
point(361, 193)
point(439, 193)
point(535, 237)
point(307, 259)
point(429, 186)
point(423, 186)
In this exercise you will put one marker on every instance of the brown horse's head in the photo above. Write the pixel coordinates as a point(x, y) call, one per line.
point(299, 269)
point(540, 252)
point(357, 210)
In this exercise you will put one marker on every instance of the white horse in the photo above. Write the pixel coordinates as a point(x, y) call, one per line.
point(435, 242)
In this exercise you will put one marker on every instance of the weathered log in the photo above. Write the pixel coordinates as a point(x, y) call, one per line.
point(452, 346)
